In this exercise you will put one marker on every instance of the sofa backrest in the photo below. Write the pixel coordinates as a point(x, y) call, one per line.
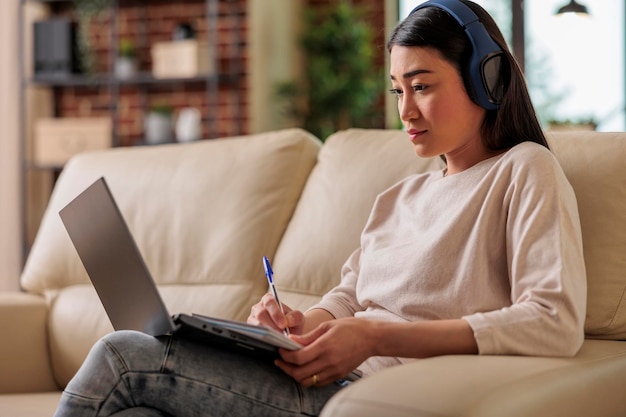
point(594, 163)
point(353, 167)
point(203, 215)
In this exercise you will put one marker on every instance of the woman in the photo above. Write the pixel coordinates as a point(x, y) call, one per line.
point(482, 257)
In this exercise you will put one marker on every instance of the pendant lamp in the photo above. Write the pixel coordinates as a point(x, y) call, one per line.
point(573, 7)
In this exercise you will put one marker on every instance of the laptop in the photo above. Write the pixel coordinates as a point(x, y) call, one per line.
point(127, 290)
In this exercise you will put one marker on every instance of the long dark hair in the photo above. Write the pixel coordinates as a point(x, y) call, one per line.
point(515, 121)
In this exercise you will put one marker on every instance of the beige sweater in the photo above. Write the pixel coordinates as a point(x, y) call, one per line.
point(498, 245)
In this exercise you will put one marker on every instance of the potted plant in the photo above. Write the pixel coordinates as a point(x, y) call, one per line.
point(340, 86)
point(158, 125)
point(86, 10)
point(126, 61)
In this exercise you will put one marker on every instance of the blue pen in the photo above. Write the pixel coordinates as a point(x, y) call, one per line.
point(270, 278)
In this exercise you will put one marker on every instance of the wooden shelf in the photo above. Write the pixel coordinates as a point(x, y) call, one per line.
point(222, 24)
point(143, 78)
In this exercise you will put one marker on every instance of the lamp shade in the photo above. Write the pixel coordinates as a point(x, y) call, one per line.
point(573, 7)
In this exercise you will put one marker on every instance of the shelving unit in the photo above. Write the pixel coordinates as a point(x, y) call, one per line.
point(228, 78)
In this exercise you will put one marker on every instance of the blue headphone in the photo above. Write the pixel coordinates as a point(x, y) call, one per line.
point(486, 61)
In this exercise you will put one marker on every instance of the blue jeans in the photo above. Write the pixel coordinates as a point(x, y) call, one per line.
point(132, 374)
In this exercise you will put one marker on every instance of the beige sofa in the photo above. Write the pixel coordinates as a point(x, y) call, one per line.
point(205, 213)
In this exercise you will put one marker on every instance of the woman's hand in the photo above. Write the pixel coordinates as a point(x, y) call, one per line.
point(331, 351)
point(267, 313)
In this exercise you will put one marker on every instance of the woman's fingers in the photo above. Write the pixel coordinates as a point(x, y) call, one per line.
point(268, 313)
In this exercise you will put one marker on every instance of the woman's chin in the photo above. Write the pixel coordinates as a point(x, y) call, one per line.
point(424, 152)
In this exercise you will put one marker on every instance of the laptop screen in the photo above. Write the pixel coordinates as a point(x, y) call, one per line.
point(113, 262)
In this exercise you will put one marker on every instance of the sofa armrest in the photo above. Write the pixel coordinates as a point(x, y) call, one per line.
point(24, 355)
point(487, 386)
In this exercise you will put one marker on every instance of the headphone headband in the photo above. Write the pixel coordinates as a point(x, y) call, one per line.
point(486, 60)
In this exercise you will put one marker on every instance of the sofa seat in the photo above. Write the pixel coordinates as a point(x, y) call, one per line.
point(590, 384)
point(38, 404)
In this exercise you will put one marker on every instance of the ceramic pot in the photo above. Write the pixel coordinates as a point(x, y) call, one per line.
point(188, 125)
point(158, 128)
point(125, 68)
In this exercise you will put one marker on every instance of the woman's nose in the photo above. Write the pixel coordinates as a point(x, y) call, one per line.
point(408, 109)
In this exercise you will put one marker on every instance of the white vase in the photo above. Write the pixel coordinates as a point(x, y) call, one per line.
point(158, 128)
point(125, 68)
point(188, 125)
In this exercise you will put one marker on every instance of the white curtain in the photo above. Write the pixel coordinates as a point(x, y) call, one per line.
point(10, 220)
point(39, 104)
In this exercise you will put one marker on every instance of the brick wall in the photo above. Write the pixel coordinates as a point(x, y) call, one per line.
point(144, 23)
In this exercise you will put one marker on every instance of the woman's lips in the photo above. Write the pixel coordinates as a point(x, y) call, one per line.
point(414, 134)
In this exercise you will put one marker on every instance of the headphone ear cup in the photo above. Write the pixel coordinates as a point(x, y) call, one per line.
point(493, 76)
point(487, 81)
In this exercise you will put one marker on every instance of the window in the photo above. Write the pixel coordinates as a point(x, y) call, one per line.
point(575, 65)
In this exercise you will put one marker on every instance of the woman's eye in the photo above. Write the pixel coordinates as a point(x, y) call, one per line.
point(417, 88)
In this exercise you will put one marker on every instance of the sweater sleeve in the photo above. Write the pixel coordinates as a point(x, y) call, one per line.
point(341, 301)
point(546, 268)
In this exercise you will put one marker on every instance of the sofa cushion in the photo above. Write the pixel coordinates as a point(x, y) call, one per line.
point(78, 320)
point(590, 384)
point(29, 405)
point(353, 167)
point(194, 209)
point(200, 213)
point(24, 357)
point(594, 164)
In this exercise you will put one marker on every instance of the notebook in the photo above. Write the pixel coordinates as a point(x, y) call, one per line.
point(127, 290)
